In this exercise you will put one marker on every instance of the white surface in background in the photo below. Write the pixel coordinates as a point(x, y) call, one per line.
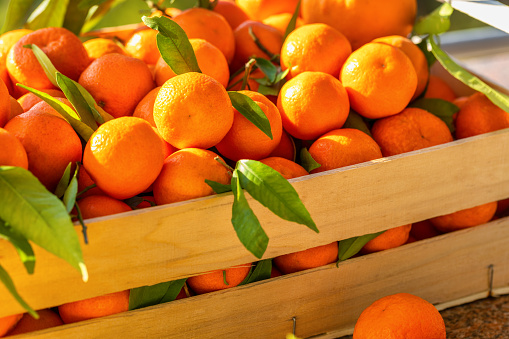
point(491, 12)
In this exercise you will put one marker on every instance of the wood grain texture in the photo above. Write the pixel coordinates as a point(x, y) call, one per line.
point(164, 243)
point(326, 300)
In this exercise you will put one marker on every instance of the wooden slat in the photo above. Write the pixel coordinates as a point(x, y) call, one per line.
point(325, 300)
point(163, 243)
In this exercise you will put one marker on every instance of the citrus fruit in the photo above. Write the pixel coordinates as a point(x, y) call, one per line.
point(261, 9)
point(145, 108)
point(8, 322)
point(423, 230)
point(98, 47)
point(5, 104)
point(233, 14)
point(12, 152)
point(465, 218)
point(47, 319)
point(7, 40)
point(143, 45)
point(286, 147)
point(287, 168)
point(439, 89)
point(94, 206)
point(217, 280)
point(29, 99)
point(307, 259)
point(281, 22)
point(391, 238)
point(84, 182)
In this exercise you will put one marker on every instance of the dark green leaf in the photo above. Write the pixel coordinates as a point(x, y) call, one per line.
point(50, 13)
point(352, 246)
point(75, 17)
point(85, 4)
point(207, 4)
point(246, 224)
point(430, 58)
point(265, 90)
point(173, 44)
point(45, 63)
point(251, 111)
point(499, 99)
point(224, 278)
point(281, 75)
point(293, 21)
point(267, 68)
point(17, 14)
point(218, 187)
point(156, 294)
point(273, 191)
point(354, 120)
point(71, 192)
point(23, 247)
point(64, 181)
point(173, 290)
point(307, 160)
point(134, 201)
point(9, 284)
point(439, 107)
point(436, 22)
point(262, 271)
point(97, 15)
point(39, 216)
point(258, 43)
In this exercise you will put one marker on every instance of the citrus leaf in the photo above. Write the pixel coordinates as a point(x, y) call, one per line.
point(436, 22)
point(71, 192)
point(267, 68)
point(244, 221)
point(307, 160)
point(97, 14)
point(173, 44)
point(251, 111)
point(23, 247)
point(354, 120)
point(75, 17)
point(281, 75)
point(64, 181)
point(9, 284)
point(262, 271)
point(218, 187)
point(173, 290)
point(38, 215)
point(134, 201)
point(17, 14)
point(266, 90)
point(50, 13)
point(440, 108)
point(430, 58)
point(84, 4)
point(81, 128)
point(273, 191)
point(351, 246)
point(45, 63)
point(499, 99)
point(293, 21)
point(156, 294)
point(224, 278)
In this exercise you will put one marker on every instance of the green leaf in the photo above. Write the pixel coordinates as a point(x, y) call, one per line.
point(64, 181)
point(81, 128)
point(266, 90)
point(23, 247)
point(156, 294)
point(273, 191)
point(17, 14)
point(85, 4)
point(439, 107)
point(9, 284)
point(134, 201)
point(262, 271)
point(45, 63)
point(352, 246)
point(430, 58)
point(50, 13)
point(224, 278)
point(96, 14)
point(75, 17)
point(173, 44)
point(244, 221)
point(251, 111)
point(436, 22)
point(354, 120)
point(71, 192)
point(207, 4)
point(307, 160)
point(267, 68)
point(218, 187)
point(293, 21)
point(38, 215)
point(499, 99)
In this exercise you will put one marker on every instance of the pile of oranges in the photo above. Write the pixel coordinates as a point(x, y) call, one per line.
point(167, 131)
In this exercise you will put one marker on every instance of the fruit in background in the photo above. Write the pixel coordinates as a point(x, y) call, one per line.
point(145, 108)
point(5, 104)
point(44, 107)
point(423, 230)
point(13, 153)
point(85, 181)
point(410, 130)
point(316, 48)
point(312, 104)
point(29, 99)
point(16, 108)
point(391, 238)
point(465, 218)
point(362, 21)
point(400, 315)
point(380, 80)
point(437, 88)
point(94, 206)
point(215, 280)
point(7, 40)
point(143, 45)
point(8, 322)
point(231, 12)
point(287, 168)
point(98, 47)
point(286, 147)
point(281, 22)
point(47, 319)
point(261, 9)
point(307, 259)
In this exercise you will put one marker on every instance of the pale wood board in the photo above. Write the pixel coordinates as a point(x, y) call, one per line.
point(326, 300)
point(163, 243)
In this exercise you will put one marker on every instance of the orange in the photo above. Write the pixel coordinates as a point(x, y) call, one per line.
point(502, 206)
point(439, 89)
point(261, 9)
point(96, 307)
point(94, 206)
point(251, 84)
point(147, 199)
point(167, 148)
point(423, 230)
point(143, 45)
point(315, 47)
point(380, 80)
point(479, 115)
point(287, 168)
point(16, 108)
point(245, 46)
point(286, 147)
point(312, 104)
point(306, 259)
point(85, 181)
point(246, 141)
point(281, 21)
point(362, 21)
point(184, 173)
point(210, 60)
point(117, 83)
point(29, 99)
point(415, 55)
point(7, 40)
point(12, 152)
point(410, 130)
point(98, 47)
point(400, 316)
point(465, 218)
point(145, 108)
point(215, 280)
point(231, 12)
point(343, 147)
point(124, 156)
point(50, 142)
point(5, 104)
point(459, 101)
point(62, 47)
point(193, 110)
point(8, 322)
point(47, 319)
point(44, 107)
point(208, 25)
point(391, 238)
